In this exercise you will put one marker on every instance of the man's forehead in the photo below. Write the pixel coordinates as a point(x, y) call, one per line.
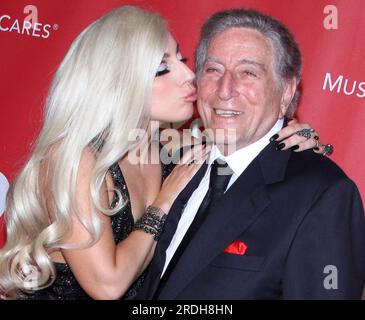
point(241, 46)
point(233, 39)
point(248, 61)
point(239, 31)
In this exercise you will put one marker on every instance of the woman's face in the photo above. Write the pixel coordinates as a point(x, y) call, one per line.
point(173, 90)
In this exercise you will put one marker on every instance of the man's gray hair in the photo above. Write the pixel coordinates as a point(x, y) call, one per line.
point(288, 60)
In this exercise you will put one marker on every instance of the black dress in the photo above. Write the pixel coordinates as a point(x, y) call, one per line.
point(65, 286)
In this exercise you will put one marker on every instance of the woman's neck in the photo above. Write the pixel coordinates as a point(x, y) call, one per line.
point(146, 151)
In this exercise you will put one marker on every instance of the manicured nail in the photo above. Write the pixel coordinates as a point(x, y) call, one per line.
point(316, 148)
point(296, 147)
point(274, 137)
point(316, 138)
point(280, 146)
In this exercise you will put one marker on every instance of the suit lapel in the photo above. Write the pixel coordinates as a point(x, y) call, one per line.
point(157, 264)
point(241, 206)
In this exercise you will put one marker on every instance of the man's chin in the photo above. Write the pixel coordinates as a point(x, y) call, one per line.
point(227, 145)
point(222, 135)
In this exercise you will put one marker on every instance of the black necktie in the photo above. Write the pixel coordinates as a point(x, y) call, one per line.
point(220, 175)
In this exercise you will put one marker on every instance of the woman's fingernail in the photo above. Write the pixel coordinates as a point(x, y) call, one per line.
point(316, 148)
point(296, 147)
point(274, 137)
point(280, 146)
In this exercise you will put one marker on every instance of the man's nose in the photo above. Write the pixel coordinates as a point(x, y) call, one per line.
point(227, 87)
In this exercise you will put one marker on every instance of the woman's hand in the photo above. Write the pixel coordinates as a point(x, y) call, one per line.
point(295, 138)
point(188, 166)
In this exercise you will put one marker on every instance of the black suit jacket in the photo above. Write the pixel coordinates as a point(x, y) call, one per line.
point(302, 220)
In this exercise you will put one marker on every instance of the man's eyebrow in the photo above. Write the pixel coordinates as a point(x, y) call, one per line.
point(213, 60)
point(242, 61)
point(259, 64)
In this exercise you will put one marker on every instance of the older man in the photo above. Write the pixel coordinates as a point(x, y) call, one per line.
point(254, 223)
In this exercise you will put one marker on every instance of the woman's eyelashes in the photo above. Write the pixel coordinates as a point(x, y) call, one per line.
point(165, 68)
point(162, 69)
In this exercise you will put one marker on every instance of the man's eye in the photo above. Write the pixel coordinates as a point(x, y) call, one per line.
point(249, 73)
point(211, 70)
point(162, 69)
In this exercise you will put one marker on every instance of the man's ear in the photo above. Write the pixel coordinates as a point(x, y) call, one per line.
point(289, 90)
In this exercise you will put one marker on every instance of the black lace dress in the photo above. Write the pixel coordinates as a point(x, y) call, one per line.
point(65, 286)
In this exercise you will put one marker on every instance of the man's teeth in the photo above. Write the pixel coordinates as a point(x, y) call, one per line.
point(227, 113)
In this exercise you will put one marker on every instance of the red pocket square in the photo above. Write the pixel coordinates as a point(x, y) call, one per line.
point(236, 247)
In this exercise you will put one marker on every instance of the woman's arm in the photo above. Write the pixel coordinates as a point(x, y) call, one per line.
point(106, 270)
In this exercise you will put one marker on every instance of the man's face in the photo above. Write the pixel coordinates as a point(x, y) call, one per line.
point(238, 88)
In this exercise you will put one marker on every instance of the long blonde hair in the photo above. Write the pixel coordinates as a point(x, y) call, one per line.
point(98, 95)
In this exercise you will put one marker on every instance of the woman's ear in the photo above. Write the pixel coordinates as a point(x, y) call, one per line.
point(290, 88)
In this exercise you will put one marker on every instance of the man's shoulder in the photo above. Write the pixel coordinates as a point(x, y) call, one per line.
point(315, 166)
point(310, 175)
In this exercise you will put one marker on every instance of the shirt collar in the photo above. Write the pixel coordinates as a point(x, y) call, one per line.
point(240, 159)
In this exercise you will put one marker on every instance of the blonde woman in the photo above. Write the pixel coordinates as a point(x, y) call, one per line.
point(74, 228)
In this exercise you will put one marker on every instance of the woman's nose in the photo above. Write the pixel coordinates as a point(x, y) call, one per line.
point(189, 75)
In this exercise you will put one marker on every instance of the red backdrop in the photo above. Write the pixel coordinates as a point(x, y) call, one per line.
point(331, 36)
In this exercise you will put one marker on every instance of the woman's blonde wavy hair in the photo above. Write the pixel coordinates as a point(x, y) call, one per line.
point(99, 94)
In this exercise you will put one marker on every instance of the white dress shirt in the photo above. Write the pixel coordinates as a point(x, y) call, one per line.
point(238, 162)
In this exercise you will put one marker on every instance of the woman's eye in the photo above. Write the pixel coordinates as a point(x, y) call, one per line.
point(162, 69)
